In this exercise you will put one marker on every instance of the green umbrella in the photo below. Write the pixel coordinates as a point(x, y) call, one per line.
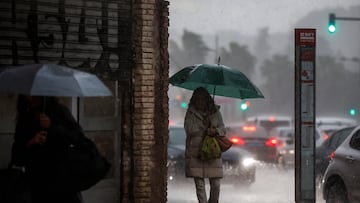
point(217, 79)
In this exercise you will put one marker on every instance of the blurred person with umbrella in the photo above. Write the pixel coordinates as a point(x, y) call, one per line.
point(41, 127)
point(44, 127)
point(203, 118)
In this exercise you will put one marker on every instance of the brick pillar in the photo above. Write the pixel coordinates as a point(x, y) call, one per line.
point(150, 114)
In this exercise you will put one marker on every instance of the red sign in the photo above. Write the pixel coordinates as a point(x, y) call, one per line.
point(305, 37)
point(307, 55)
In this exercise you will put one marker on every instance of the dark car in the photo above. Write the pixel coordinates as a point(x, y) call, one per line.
point(328, 146)
point(239, 167)
point(341, 182)
point(327, 125)
point(285, 146)
point(176, 163)
point(256, 140)
point(176, 153)
point(238, 164)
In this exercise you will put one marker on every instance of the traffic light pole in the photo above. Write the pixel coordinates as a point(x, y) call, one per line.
point(333, 18)
point(347, 18)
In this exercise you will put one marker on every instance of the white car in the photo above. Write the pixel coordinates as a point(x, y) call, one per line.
point(341, 182)
point(268, 122)
point(327, 125)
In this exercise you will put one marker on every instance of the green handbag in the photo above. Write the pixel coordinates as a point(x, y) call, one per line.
point(210, 148)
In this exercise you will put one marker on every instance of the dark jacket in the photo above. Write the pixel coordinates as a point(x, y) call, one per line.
point(40, 161)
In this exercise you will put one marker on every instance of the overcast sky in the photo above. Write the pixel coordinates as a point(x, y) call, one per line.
point(245, 16)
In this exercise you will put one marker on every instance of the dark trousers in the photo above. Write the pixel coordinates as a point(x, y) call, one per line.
point(201, 190)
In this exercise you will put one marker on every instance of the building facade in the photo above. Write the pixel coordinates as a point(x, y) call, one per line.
point(123, 42)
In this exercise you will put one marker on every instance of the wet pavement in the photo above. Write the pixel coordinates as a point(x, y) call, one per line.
point(272, 185)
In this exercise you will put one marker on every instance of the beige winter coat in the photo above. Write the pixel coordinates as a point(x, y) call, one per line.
point(194, 127)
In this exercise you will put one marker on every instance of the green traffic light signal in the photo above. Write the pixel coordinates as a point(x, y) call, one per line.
point(352, 112)
point(244, 105)
point(184, 105)
point(332, 28)
point(332, 25)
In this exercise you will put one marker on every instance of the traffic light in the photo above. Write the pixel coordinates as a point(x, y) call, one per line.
point(352, 112)
point(244, 105)
point(332, 25)
point(180, 101)
point(184, 105)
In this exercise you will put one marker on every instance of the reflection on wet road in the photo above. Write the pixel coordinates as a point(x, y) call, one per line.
point(271, 186)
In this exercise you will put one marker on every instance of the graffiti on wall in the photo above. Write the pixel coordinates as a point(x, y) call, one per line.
point(93, 35)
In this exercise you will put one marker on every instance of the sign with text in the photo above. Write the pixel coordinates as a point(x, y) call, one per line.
point(305, 44)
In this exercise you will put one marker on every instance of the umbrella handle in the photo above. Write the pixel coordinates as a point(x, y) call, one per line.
point(43, 105)
point(214, 93)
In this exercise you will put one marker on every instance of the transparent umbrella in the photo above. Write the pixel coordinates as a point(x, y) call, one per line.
point(51, 80)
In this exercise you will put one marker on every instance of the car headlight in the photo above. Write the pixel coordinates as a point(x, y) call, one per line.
point(287, 151)
point(248, 162)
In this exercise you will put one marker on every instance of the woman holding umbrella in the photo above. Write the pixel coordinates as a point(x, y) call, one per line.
point(203, 117)
point(41, 128)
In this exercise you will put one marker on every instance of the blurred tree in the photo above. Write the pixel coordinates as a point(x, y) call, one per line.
point(195, 49)
point(177, 57)
point(262, 47)
point(335, 84)
point(238, 57)
point(278, 87)
point(323, 47)
point(192, 50)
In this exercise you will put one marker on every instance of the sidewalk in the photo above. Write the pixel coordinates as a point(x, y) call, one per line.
point(103, 192)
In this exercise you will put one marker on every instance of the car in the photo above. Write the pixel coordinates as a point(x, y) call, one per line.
point(256, 140)
point(286, 159)
point(342, 176)
point(176, 154)
point(328, 125)
point(285, 134)
point(239, 165)
point(286, 146)
point(328, 146)
point(176, 163)
point(333, 122)
point(268, 122)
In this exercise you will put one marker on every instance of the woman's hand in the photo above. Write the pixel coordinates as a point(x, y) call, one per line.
point(44, 121)
point(39, 139)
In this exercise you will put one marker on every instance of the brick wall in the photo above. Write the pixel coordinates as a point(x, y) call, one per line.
point(150, 118)
point(124, 42)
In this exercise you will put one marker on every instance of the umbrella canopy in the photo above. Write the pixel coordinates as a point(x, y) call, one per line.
point(217, 79)
point(51, 80)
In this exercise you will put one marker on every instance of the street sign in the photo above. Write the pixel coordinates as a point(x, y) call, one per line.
point(305, 44)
